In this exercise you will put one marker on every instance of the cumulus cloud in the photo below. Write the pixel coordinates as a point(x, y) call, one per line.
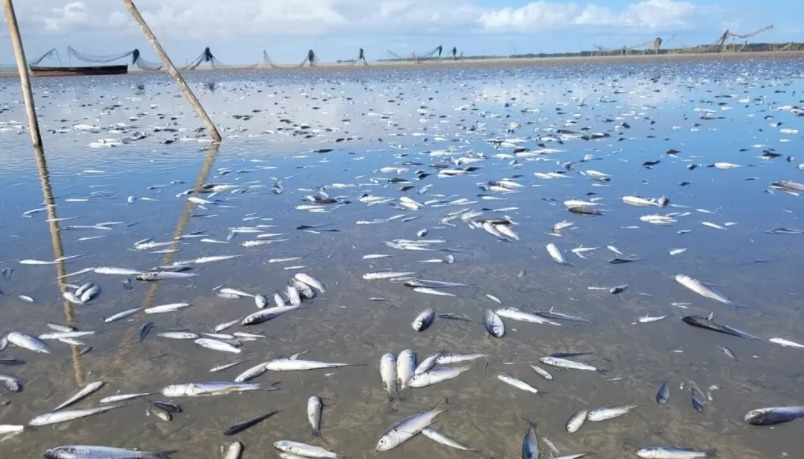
point(73, 14)
point(543, 15)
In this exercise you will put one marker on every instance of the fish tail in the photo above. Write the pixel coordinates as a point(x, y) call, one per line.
point(269, 385)
point(317, 433)
point(161, 454)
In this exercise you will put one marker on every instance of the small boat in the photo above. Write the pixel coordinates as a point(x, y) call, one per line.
point(41, 71)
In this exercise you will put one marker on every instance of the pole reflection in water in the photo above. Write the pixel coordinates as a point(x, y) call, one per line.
point(58, 252)
point(131, 335)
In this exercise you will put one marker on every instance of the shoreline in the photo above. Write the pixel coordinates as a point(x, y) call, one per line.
point(485, 62)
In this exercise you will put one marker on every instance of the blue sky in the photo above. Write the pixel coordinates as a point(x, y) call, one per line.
point(238, 31)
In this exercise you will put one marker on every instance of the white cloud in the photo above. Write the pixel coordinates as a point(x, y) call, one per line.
point(73, 14)
point(242, 28)
point(542, 15)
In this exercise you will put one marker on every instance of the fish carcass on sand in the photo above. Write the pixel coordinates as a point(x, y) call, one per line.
point(774, 415)
point(701, 289)
point(407, 428)
point(709, 324)
point(303, 449)
point(212, 388)
point(671, 452)
point(102, 452)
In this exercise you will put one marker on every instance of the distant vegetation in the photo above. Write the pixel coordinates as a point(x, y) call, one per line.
point(700, 49)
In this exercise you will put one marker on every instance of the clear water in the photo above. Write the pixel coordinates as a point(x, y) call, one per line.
point(414, 118)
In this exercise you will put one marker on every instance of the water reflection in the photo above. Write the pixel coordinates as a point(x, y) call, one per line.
point(131, 334)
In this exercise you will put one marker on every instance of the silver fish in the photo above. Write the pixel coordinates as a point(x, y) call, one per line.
point(438, 437)
point(670, 452)
point(605, 413)
point(386, 275)
point(69, 415)
point(517, 314)
point(122, 397)
point(303, 449)
point(11, 429)
point(451, 358)
point(88, 389)
point(293, 295)
point(217, 345)
point(267, 314)
point(178, 335)
point(577, 420)
point(233, 451)
point(436, 375)
point(251, 373)
point(774, 415)
point(303, 289)
point(424, 319)
point(212, 388)
point(27, 342)
point(122, 315)
point(494, 324)
point(407, 428)
point(311, 281)
point(11, 383)
point(101, 452)
point(530, 446)
point(388, 373)
point(566, 363)
point(698, 287)
point(163, 308)
point(556, 254)
point(542, 372)
point(261, 300)
point(295, 364)
point(427, 364)
point(405, 367)
point(518, 383)
point(314, 409)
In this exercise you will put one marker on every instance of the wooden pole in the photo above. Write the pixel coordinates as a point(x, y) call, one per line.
point(172, 70)
point(22, 68)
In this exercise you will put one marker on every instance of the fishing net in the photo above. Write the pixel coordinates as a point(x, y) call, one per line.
point(47, 55)
point(136, 58)
point(204, 57)
point(311, 58)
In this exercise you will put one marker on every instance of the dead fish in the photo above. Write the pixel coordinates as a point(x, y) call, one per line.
point(702, 289)
point(663, 395)
point(424, 320)
point(237, 428)
point(773, 415)
point(144, 330)
point(786, 343)
point(556, 254)
point(87, 390)
point(494, 324)
point(709, 324)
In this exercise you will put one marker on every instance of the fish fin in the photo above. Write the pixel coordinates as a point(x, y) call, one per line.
point(711, 315)
point(296, 356)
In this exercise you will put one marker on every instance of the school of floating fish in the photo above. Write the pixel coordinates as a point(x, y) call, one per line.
point(527, 154)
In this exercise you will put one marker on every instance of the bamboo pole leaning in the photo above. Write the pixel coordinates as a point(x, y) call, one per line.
point(22, 68)
point(172, 70)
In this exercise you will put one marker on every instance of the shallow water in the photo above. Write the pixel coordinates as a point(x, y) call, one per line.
point(278, 125)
